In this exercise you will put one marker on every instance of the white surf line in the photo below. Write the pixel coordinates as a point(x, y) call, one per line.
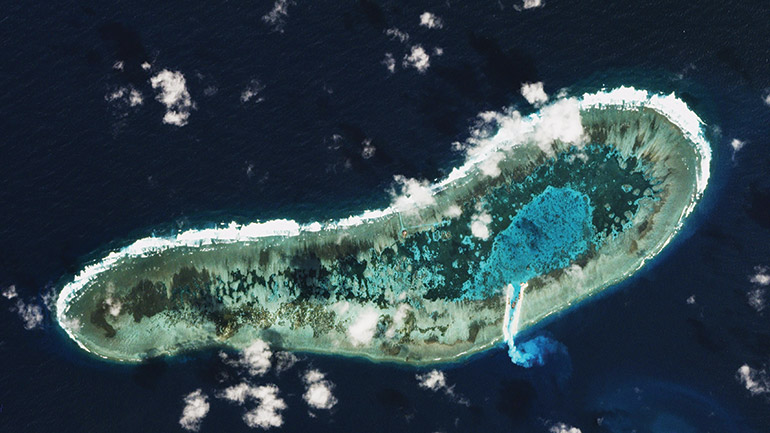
point(671, 107)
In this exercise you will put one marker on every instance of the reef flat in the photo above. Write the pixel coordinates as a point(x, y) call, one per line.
point(570, 199)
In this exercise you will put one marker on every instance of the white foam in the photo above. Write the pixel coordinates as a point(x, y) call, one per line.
point(515, 129)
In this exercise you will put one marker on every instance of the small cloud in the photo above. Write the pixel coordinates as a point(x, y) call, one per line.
point(397, 34)
point(31, 314)
point(737, 144)
point(135, 98)
point(268, 413)
point(125, 95)
point(755, 381)
point(438, 51)
point(363, 328)
point(534, 93)
point(563, 428)
point(435, 381)
point(560, 121)
point(390, 62)
point(691, 300)
point(413, 194)
point(277, 16)
point(453, 211)
point(253, 91)
point(762, 276)
point(236, 393)
point(417, 59)
point(319, 391)
point(767, 98)
point(431, 21)
point(480, 223)
point(146, 66)
point(531, 4)
point(256, 358)
point(756, 298)
point(71, 323)
point(196, 408)
point(490, 166)
point(368, 149)
point(10, 292)
point(118, 66)
point(174, 96)
point(113, 306)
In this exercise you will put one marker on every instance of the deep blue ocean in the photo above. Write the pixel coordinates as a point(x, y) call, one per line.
point(82, 172)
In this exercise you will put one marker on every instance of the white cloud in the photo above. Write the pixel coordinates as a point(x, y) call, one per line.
point(251, 91)
point(10, 292)
point(530, 4)
point(559, 121)
point(31, 314)
point(363, 328)
point(413, 194)
point(737, 144)
point(431, 21)
point(401, 314)
point(135, 98)
point(116, 94)
point(453, 211)
point(196, 408)
point(767, 98)
point(146, 66)
point(490, 166)
point(762, 277)
point(395, 33)
point(691, 300)
point(433, 380)
point(368, 149)
point(390, 62)
point(256, 358)
point(563, 428)
point(534, 93)
point(319, 391)
point(480, 223)
point(71, 323)
point(236, 393)
point(277, 16)
point(756, 296)
point(268, 413)
point(174, 95)
point(757, 299)
point(127, 95)
point(417, 59)
point(755, 381)
point(113, 306)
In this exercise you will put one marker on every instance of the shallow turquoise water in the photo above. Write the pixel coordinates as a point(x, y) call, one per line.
point(546, 234)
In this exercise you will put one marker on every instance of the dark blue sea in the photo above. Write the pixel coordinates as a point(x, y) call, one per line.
point(283, 99)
